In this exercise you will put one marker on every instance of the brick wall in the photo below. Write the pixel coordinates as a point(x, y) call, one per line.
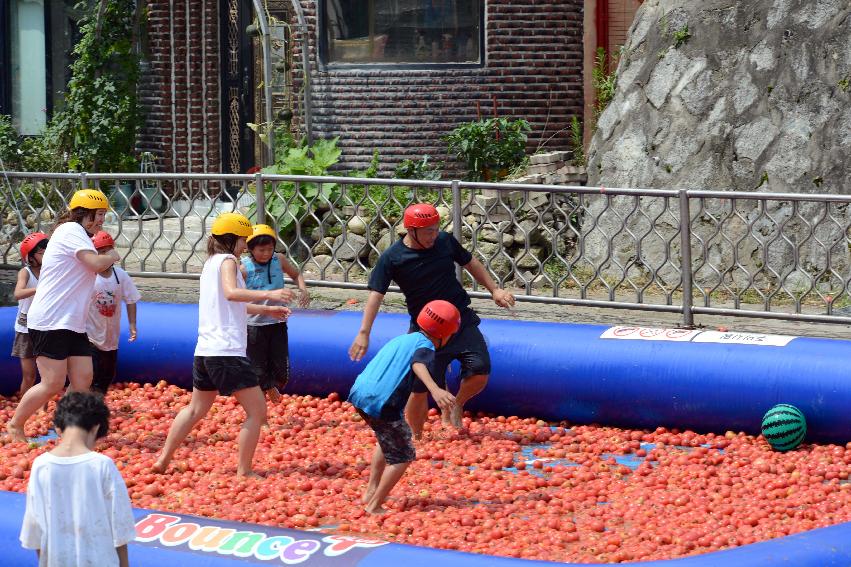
point(533, 65)
point(179, 89)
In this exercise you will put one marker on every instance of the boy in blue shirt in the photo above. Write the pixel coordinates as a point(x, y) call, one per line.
point(381, 391)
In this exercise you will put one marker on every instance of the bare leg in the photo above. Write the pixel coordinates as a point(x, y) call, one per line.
point(183, 423)
point(389, 478)
point(28, 374)
point(52, 380)
point(469, 388)
point(80, 373)
point(416, 412)
point(376, 469)
point(254, 404)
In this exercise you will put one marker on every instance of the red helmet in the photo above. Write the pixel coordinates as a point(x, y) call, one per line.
point(102, 240)
point(439, 318)
point(30, 242)
point(420, 215)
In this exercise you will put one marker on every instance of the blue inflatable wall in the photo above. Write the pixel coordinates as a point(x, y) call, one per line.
point(165, 539)
point(631, 377)
point(554, 371)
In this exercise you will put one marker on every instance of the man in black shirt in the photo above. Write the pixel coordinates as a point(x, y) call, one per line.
point(423, 265)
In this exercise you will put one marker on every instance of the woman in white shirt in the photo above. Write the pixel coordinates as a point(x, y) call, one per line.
point(56, 319)
point(220, 365)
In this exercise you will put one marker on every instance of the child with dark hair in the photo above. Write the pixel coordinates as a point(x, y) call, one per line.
point(32, 251)
point(264, 269)
point(78, 511)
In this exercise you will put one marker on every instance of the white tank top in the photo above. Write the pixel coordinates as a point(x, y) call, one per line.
point(222, 324)
point(24, 304)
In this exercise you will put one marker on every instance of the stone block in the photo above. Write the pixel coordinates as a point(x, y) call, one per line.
point(548, 157)
point(544, 168)
point(350, 247)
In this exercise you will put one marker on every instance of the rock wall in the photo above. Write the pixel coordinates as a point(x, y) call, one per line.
point(746, 95)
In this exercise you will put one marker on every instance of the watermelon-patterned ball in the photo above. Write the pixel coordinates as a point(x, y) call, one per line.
point(784, 427)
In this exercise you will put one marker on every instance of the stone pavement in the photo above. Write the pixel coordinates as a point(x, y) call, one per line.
point(186, 291)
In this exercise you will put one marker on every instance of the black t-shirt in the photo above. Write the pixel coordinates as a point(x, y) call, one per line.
point(394, 407)
point(423, 275)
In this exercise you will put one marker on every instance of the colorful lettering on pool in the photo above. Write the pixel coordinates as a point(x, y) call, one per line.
point(287, 546)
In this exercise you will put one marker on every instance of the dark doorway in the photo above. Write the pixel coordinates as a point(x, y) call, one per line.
point(237, 86)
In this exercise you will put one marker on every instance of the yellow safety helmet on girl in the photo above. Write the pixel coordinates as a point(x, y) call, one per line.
point(88, 199)
point(231, 223)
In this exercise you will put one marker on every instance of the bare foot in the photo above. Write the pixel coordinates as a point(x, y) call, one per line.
point(250, 474)
point(16, 433)
point(159, 468)
point(274, 395)
point(375, 510)
point(455, 415)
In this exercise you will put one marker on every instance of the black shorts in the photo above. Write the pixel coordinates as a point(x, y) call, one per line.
point(104, 363)
point(468, 346)
point(269, 354)
point(225, 374)
point(394, 438)
point(59, 344)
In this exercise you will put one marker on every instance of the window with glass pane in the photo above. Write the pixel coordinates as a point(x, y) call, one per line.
point(29, 75)
point(403, 31)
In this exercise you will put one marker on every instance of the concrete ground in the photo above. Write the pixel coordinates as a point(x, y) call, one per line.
point(186, 291)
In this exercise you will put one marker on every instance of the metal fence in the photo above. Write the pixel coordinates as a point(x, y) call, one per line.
point(782, 256)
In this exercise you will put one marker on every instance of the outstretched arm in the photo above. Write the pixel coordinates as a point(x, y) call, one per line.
point(295, 275)
point(234, 293)
point(361, 343)
point(481, 275)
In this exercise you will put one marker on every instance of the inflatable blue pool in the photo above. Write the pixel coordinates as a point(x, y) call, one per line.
point(626, 376)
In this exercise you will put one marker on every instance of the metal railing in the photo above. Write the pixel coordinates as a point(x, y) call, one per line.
point(781, 256)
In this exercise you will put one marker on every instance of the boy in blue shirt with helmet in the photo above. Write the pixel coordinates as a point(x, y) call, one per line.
point(381, 391)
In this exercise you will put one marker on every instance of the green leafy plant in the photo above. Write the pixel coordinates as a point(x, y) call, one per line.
point(287, 201)
point(604, 81)
point(417, 169)
point(577, 141)
point(98, 125)
point(681, 36)
point(9, 142)
point(489, 147)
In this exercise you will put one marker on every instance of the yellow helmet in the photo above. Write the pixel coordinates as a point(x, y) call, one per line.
point(261, 230)
point(231, 223)
point(89, 199)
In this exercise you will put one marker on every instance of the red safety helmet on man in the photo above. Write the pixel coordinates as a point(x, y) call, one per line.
point(102, 240)
point(439, 318)
point(30, 242)
point(420, 215)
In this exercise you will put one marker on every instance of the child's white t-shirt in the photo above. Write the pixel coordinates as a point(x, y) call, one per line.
point(104, 323)
point(61, 300)
point(77, 511)
point(222, 324)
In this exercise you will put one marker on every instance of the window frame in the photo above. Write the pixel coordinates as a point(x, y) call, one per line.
point(325, 65)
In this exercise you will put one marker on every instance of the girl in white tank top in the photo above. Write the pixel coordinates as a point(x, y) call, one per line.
point(220, 365)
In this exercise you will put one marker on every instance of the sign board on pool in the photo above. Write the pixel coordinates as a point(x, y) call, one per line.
point(694, 336)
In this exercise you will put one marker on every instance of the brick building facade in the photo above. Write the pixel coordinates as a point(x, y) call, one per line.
point(531, 66)
point(201, 70)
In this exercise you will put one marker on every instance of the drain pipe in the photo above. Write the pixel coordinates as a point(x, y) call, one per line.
point(267, 79)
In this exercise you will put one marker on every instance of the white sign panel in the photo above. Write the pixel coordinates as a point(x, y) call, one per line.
point(649, 334)
point(695, 336)
point(742, 338)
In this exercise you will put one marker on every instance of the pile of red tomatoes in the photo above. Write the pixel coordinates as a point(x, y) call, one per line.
point(504, 486)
